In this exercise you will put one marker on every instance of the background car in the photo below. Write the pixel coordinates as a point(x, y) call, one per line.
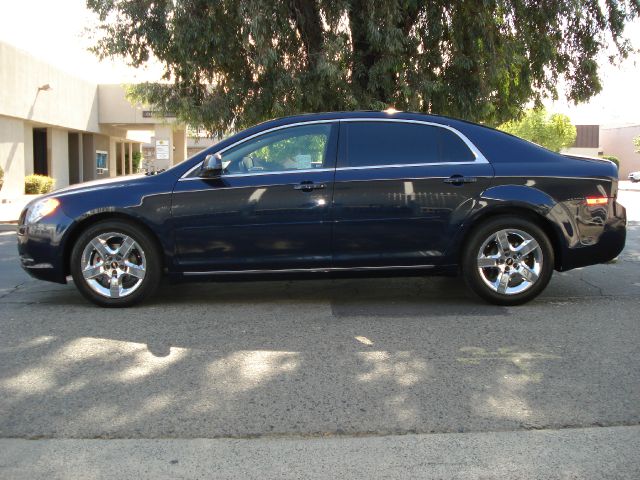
point(348, 193)
point(634, 176)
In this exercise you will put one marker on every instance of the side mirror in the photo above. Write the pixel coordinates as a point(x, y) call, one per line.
point(212, 166)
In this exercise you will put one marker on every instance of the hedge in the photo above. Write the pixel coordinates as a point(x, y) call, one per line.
point(611, 158)
point(34, 184)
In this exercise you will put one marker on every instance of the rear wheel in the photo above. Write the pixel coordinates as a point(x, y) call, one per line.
point(115, 264)
point(508, 260)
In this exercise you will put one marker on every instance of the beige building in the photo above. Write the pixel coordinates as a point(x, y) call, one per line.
point(587, 142)
point(596, 140)
point(55, 124)
point(618, 141)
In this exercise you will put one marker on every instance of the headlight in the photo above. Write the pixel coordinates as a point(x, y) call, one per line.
point(41, 209)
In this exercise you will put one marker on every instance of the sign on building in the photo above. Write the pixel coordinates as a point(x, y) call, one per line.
point(162, 150)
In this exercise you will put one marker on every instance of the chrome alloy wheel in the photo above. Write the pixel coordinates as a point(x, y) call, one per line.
point(113, 265)
point(510, 261)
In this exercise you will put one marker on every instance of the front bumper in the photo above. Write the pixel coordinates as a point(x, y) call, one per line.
point(41, 247)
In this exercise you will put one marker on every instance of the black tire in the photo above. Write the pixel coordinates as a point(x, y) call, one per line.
point(475, 241)
point(153, 263)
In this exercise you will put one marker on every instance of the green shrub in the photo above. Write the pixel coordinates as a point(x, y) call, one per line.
point(35, 184)
point(136, 158)
point(612, 158)
point(1, 177)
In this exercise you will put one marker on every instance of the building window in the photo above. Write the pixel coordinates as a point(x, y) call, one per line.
point(101, 161)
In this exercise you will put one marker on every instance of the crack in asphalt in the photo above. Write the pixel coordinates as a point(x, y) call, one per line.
point(600, 292)
point(14, 289)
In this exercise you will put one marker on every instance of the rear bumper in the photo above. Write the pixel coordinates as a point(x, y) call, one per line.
point(599, 242)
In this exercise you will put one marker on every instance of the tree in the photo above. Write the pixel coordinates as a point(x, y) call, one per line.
point(554, 132)
point(636, 143)
point(232, 63)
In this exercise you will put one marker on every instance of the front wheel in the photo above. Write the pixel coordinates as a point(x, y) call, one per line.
point(115, 264)
point(508, 260)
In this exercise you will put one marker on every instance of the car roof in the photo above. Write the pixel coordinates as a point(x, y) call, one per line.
point(385, 114)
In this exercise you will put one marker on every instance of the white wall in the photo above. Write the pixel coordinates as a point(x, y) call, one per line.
point(12, 156)
point(113, 157)
point(28, 149)
point(582, 151)
point(58, 149)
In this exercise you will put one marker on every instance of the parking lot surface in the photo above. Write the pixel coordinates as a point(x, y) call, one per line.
point(319, 357)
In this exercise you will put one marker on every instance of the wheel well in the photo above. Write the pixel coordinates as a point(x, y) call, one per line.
point(99, 217)
point(546, 226)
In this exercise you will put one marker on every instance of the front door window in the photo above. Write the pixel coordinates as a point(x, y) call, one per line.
point(289, 149)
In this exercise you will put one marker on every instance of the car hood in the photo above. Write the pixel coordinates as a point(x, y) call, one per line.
point(107, 183)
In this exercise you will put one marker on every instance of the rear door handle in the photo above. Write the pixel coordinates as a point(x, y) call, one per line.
point(459, 179)
point(309, 186)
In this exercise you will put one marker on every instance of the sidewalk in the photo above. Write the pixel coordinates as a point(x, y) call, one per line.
point(603, 452)
point(627, 185)
point(10, 208)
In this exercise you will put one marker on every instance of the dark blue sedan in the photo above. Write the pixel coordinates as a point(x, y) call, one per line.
point(348, 193)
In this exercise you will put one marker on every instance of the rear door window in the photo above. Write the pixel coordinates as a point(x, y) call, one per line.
point(374, 144)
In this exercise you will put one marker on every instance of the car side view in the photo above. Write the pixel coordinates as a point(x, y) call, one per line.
point(348, 193)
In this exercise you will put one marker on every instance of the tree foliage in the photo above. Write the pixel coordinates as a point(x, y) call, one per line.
point(554, 132)
point(231, 63)
point(636, 143)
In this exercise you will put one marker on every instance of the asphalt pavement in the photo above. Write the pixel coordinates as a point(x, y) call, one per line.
point(327, 366)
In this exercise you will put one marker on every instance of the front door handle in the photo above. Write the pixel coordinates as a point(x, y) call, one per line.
point(309, 186)
point(459, 179)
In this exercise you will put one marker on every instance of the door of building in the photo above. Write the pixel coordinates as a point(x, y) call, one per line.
point(40, 164)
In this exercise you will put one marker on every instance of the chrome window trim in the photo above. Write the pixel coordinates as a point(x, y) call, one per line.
point(480, 158)
point(256, 174)
point(302, 270)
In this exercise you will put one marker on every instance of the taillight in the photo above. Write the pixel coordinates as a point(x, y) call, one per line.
point(597, 200)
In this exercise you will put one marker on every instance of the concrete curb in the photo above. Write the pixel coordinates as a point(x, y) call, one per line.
point(605, 452)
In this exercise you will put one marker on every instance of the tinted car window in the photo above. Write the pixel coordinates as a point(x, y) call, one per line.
point(388, 143)
point(296, 148)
